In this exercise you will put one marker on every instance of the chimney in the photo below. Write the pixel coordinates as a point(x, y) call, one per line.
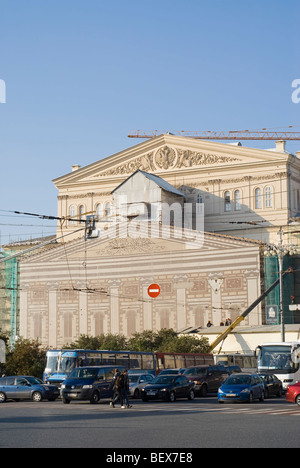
point(280, 146)
point(75, 167)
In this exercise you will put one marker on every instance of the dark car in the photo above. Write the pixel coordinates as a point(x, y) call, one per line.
point(89, 383)
point(169, 388)
point(207, 379)
point(273, 386)
point(26, 388)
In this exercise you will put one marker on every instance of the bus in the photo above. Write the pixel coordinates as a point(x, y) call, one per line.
point(181, 360)
point(281, 359)
point(247, 362)
point(61, 362)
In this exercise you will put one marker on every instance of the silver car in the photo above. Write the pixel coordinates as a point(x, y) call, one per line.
point(137, 382)
point(26, 388)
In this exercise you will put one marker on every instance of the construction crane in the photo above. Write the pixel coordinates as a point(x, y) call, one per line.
point(223, 336)
point(263, 134)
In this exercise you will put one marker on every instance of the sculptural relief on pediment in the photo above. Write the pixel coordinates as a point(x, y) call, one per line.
point(166, 158)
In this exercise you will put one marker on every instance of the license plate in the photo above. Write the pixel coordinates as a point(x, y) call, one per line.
point(151, 393)
point(231, 395)
point(73, 395)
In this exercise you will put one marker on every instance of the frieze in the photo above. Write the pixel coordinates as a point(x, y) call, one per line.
point(166, 158)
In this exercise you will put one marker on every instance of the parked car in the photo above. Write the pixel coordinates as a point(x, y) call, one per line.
point(169, 388)
point(273, 386)
point(207, 379)
point(293, 394)
point(242, 387)
point(137, 382)
point(26, 388)
point(89, 383)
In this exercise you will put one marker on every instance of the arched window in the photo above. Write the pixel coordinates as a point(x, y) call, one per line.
point(99, 213)
point(258, 199)
point(227, 201)
point(81, 212)
point(107, 211)
point(72, 214)
point(237, 200)
point(199, 203)
point(269, 198)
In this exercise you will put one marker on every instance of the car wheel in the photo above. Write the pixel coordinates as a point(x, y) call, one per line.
point(37, 397)
point(262, 396)
point(298, 400)
point(251, 397)
point(136, 394)
point(2, 397)
point(95, 398)
point(66, 401)
point(172, 397)
point(204, 391)
point(279, 394)
point(191, 395)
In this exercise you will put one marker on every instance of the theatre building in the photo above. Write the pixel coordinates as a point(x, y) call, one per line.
point(206, 254)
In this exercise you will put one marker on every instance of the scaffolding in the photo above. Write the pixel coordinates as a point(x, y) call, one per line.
point(9, 304)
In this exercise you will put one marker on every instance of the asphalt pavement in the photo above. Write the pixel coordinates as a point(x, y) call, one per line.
point(182, 425)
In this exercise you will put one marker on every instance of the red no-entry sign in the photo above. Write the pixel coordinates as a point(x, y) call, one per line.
point(154, 290)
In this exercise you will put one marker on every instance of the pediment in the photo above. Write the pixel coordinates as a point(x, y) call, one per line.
point(128, 240)
point(164, 155)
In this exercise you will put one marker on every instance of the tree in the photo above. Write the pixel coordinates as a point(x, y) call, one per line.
point(110, 342)
point(27, 358)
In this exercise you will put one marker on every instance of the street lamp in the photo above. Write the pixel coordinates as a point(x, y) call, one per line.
point(280, 251)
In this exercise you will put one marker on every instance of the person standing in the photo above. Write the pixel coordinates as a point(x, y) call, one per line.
point(126, 389)
point(118, 389)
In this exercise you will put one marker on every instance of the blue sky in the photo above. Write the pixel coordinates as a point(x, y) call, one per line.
point(81, 75)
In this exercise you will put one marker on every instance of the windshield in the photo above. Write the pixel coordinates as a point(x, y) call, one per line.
point(34, 381)
point(84, 373)
point(52, 361)
point(238, 379)
point(67, 364)
point(164, 380)
point(133, 378)
point(196, 371)
point(276, 358)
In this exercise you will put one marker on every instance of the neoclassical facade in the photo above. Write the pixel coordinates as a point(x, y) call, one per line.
point(246, 192)
point(100, 284)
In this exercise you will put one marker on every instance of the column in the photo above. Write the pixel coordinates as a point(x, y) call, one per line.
point(216, 281)
point(147, 304)
point(83, 309)
point(52, 314)
point(181, 284)
point(114, 286)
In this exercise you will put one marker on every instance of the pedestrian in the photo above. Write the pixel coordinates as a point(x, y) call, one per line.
point(209, 324)
point(117, 387)
point(126, 389)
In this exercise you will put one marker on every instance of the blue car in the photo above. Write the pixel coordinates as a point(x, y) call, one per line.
point(242, 387)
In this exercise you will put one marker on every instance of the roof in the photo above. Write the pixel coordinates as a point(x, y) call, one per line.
point(157, 180)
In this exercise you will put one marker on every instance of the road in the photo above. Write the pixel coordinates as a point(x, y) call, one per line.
point(184, 424)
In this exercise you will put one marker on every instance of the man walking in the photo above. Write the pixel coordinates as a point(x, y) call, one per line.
point(118, 386)
point(126, 389)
